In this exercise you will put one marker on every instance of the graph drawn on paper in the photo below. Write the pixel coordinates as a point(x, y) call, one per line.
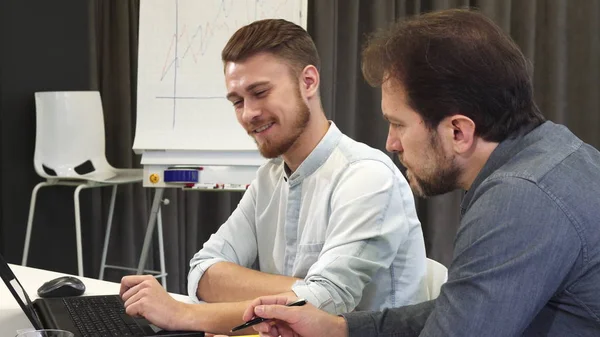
point(181, 101)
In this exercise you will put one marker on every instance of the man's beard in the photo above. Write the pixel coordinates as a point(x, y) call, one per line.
point(269, 149)
point(442, 178)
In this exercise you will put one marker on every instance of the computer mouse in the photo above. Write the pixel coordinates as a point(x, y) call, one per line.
point(62, 287)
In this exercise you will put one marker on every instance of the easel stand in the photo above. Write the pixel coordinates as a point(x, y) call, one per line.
point(155, 218)
point(219, 175)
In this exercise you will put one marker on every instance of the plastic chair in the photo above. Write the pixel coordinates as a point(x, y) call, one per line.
point(437, 274)
point(70, 150)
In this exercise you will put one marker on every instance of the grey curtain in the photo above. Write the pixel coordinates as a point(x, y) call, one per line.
point(560, 37)
point(113, 64)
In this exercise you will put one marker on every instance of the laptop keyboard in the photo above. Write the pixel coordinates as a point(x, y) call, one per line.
point(101, 316)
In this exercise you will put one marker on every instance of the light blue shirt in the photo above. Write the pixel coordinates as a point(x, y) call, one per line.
point(344, 222)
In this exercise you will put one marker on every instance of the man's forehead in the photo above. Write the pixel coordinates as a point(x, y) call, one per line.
point(259, 63)
point(243, 74)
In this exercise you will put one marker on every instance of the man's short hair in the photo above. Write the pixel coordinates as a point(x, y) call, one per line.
point(456, 62)
point(279, 37)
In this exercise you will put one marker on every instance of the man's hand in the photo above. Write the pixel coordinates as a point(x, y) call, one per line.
point(144, 296)
point(293, 321)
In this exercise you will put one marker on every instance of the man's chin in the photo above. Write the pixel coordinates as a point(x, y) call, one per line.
point(269, 152)
point(416, 189)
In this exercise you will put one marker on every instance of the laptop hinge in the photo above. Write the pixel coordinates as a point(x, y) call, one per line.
point(45, 315)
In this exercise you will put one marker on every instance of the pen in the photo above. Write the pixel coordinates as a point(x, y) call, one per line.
point(257, 320)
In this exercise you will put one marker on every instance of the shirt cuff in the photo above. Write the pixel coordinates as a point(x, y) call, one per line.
point(360, 324)
point(195, 275)
point(315, 295)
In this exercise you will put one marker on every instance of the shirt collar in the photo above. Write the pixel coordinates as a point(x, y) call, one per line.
point(317, 157)
point(501, 155)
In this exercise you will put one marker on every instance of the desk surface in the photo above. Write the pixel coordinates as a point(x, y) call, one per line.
point(12, 317)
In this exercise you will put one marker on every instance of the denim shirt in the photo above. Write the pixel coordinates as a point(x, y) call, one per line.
point(344, 223)
point(527, 253)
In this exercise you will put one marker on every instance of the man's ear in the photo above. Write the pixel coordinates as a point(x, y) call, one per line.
point(310, 81)
point(462, 130)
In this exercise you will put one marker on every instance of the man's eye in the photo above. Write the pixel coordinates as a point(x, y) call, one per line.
point(237, 103)
point(260, 93)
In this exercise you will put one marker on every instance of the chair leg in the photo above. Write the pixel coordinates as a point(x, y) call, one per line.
point(108, 228)
point(158, 193)
point(78, 229)
point(161, 248)
point(30, 220)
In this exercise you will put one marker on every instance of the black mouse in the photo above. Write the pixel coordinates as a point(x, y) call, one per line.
point(62, 287)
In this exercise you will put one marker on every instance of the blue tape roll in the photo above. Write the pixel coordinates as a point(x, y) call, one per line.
point(181, 176)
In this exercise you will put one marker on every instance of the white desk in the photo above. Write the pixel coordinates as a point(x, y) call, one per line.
point(12, 317)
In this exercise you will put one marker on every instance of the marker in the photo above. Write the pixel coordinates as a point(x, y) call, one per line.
point(237, 187)
point(257, 320)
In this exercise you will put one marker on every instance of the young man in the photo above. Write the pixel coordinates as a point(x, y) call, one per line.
point(327, 219)
point(458, 96)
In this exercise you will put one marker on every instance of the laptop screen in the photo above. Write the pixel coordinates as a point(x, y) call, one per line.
point(15, 288)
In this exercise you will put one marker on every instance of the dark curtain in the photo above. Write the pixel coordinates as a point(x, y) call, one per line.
point(113, 59)
point(560, 37)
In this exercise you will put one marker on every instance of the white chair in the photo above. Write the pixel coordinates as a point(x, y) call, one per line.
point(70, 150)
point(437, 274)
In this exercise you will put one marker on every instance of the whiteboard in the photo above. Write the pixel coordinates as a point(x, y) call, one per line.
point(181, 102)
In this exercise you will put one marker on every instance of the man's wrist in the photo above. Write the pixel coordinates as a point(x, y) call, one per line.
point(190, 317)
point(341, 327)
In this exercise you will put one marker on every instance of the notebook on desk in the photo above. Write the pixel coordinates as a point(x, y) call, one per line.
point(82, 315)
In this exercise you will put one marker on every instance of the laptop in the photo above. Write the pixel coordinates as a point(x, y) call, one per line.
point(82, 315)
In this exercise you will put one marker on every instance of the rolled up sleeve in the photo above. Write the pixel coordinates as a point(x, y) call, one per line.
point(234, 242)
point(367, 225)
